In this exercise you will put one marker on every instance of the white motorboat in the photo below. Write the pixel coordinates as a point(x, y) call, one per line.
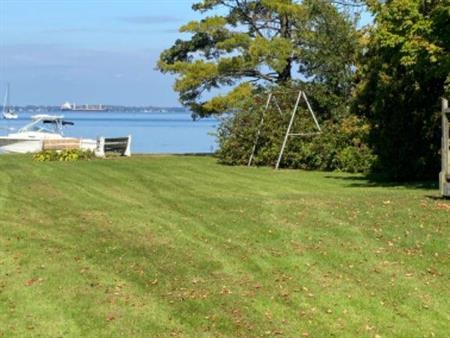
point(8, 113)
point(43, 128)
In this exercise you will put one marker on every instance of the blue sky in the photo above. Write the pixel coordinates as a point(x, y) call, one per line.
point(88, 51)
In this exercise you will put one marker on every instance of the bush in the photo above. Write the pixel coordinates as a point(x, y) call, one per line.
point(341, 146)
point(64, 155)
point(353, 159)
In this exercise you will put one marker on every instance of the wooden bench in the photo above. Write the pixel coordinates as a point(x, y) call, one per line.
point(118, 145)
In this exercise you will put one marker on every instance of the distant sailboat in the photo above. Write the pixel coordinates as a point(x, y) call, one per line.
point(8, 113)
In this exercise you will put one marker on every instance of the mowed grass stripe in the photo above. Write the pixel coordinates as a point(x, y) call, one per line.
point(182, 246)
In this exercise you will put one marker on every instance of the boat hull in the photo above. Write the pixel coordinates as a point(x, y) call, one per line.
point(20, 146)
point(24, 146)
point(10, 116)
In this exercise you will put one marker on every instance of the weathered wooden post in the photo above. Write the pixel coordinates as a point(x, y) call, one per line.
point(444, 177)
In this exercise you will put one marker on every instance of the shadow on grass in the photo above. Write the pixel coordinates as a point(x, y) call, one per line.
point(212, 155)
point(376, 180)
point(438, 198)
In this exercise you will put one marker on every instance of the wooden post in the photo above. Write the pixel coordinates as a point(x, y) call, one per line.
point(444, 178)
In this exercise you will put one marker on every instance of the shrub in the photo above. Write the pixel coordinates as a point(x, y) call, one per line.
point(64, 155)
point(341, 146)
point(355, 159)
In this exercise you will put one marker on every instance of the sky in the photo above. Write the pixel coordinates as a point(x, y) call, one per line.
point(89, 51)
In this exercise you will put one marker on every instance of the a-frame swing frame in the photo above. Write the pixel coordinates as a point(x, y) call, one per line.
point(271, 97)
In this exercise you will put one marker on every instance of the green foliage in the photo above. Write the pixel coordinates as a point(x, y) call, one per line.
point(261, 43)
point(64, 156)
point(405, 69)
point(341, 146)
point(277, 45)
point(355, 159)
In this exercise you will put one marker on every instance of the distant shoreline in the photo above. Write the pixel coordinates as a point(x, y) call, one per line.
point(108, 108)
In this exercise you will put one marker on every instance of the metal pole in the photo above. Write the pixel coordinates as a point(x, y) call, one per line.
point(278, 106)
point(288, 130)
point(311, 112)
point(258, 133)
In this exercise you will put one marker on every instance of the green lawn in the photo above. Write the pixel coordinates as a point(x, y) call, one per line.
point(181, 246)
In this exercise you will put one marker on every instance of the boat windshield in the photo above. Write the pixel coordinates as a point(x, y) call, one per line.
point(41, 127)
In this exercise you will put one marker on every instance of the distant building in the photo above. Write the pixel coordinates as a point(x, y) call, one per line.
point(67, 106)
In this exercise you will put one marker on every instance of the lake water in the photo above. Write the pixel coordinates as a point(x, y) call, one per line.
point(168, 132)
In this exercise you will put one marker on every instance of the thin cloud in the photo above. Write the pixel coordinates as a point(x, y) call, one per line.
point(149, 20)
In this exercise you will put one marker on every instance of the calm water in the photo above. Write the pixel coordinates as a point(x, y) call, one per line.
point(170, 132)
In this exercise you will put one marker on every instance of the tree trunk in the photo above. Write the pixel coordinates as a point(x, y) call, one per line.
point(285, 32)
point(286, 74)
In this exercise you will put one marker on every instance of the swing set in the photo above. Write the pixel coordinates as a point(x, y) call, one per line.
point(271, 97)
point(444, 177)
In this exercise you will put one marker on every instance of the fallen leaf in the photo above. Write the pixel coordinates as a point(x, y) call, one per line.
point(31, 281)
point(443, 206)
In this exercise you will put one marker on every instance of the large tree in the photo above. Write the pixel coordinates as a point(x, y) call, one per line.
point(246, 44)
point(404, 71)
